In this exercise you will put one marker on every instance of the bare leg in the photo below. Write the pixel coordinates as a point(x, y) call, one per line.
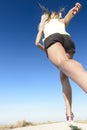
point(75, 71)
point(67, 93)
point(69, 67)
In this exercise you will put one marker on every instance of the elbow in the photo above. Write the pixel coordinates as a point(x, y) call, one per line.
point(37, 44)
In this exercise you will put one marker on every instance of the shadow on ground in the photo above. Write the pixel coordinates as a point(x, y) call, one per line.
point(74, 128)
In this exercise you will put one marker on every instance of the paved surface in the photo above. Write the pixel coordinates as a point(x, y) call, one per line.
point(56, 126)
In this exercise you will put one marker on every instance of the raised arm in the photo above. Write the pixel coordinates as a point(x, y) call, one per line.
point(72, 12)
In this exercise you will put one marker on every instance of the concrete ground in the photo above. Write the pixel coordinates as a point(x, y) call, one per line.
point(56, 126)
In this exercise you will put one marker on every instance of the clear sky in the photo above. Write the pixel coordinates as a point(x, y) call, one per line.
point(30, 87)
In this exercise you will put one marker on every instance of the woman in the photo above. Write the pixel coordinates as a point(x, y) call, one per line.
point(60, 48)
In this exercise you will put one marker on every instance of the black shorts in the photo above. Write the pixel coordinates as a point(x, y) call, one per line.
point(64, 39)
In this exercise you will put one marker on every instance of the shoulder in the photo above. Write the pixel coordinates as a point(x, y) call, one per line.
point(62, 20)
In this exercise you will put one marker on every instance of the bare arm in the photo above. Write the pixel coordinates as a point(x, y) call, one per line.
point(72, 12)
point(38, 39)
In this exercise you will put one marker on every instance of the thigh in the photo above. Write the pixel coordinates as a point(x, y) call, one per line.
point(57, 54)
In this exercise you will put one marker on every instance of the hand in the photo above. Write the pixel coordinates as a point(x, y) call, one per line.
point(77, 8)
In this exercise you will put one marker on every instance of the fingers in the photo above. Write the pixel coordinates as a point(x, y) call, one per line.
point(77, 8)
point(78, 5)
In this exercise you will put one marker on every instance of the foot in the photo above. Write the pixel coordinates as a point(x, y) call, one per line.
point(69, 119)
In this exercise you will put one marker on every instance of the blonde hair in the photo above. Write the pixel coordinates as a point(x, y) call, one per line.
point(45, 17)
point(50, 15)
point(55, 15)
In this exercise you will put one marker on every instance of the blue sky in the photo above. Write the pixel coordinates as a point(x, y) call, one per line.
point(30, 88)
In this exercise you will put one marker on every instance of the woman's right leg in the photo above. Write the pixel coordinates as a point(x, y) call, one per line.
point(69, 67)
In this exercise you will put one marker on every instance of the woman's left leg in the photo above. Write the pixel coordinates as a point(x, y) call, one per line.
point(67, 92)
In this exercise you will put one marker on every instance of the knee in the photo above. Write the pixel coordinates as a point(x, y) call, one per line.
point(62, 63)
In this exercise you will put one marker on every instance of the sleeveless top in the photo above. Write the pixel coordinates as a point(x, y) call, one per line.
point(54, 26)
